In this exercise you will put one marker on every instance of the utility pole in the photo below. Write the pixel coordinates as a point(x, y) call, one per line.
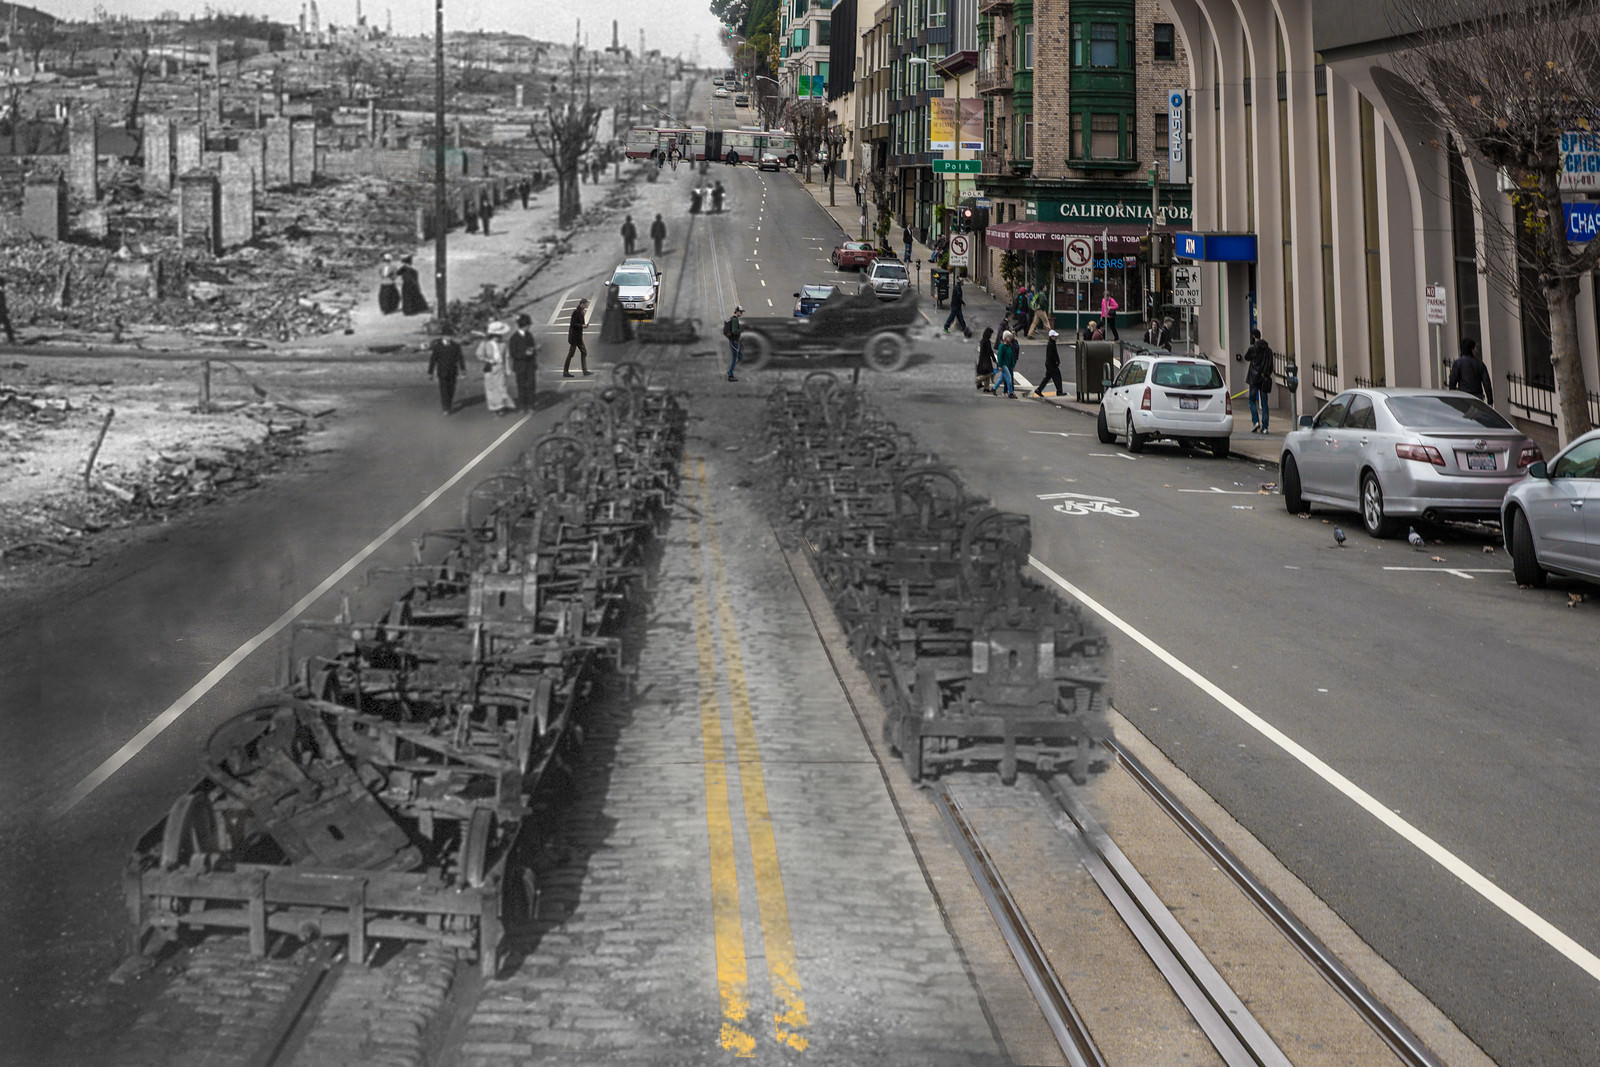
point(1155, 253)
point(440, 218)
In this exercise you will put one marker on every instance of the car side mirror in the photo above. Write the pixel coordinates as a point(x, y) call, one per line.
point(797, 296)
point(1538, 470)
point(1306, 422)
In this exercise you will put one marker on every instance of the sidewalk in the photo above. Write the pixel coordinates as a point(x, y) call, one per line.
point(983, 306)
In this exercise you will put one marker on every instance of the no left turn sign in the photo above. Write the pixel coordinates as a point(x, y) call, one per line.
point(1078, 251)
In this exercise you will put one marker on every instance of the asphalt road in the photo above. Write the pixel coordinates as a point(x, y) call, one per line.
point(1459, 703)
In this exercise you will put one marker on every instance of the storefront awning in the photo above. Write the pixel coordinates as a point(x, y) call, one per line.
point(1046, 236)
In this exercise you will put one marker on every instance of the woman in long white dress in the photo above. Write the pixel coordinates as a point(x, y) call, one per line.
point(496, 365)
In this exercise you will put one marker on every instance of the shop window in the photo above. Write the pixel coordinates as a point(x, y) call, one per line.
point(1166, 38)
point(1103, 44)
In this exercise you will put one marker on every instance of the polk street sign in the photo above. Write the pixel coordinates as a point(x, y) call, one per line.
point(957, 166)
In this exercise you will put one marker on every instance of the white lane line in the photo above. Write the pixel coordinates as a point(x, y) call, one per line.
point(1515, 909)
point(113, 763)
point(561, 301)
point(1459, 572)
point(1115, 455)
point(769, 301)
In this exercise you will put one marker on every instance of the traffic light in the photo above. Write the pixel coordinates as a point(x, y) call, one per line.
point(1145, 249)
point(971, 219)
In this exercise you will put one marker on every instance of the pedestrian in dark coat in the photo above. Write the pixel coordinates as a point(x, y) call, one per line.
point(411, 299)
point(1470, 374)
point(524, 187)
point(1005, 361)
point(5, 314)
point(471, 212)
point(446, 361)
point(985, 369)
point(486, 212)
point(575, 345)
point(717, 193)
point(906, 236)
point(1259, 381)
point(958, 303)
point(524, 349)
point(658, 232)
point(732, 329)
point(388, 290)
point(630, 234)
point(1052, 365)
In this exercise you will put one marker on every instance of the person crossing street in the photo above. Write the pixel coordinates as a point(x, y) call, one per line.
point(575, 345)
point(958, 301)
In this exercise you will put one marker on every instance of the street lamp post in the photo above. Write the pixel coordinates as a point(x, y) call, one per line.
point(440, 218)
point(776, 84)
point(835, 146)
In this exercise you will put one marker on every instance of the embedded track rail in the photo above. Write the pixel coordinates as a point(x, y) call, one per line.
point(1405, 1044)
point(1239, 1040)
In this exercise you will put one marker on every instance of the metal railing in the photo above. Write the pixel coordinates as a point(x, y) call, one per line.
point(1324, 381)
point(1535, 398)
point(996, 79)
point(1369, 383)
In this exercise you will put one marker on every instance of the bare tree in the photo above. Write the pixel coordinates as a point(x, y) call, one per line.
point(1510, 84)
point(36, 35)
point(808, 121)
point(565, 132)
point(769, 101)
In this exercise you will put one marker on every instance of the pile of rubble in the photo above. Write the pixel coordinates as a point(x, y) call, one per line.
point(314, 258)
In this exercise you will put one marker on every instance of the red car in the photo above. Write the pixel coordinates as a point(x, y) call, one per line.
point(854, 255)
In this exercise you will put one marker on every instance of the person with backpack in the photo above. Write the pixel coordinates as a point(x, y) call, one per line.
point(1041, 313)
point(1258, 380)
point(731, 330)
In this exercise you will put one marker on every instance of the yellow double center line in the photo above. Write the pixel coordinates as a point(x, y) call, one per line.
point(789, 1011)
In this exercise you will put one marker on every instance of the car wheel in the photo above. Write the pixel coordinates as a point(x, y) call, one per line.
point(1135, 440)
point(755, 351)
point(1102, 430)
point(886, 351)
point(1291, 487)
point(1378, 523)
point(1524, 560)
point(1220, 446)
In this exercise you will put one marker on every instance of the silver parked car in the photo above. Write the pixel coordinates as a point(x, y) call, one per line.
point(1551, 518)
point(1393, 454)
point(887, 278)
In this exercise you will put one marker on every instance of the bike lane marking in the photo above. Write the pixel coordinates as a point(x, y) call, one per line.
point(1514, 909)
point(122, 756)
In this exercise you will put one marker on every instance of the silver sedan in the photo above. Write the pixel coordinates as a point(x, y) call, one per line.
point(1551, 518)
point(1393, 454)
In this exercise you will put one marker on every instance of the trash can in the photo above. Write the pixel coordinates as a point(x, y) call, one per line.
point(1096, 365)
point(941, 285)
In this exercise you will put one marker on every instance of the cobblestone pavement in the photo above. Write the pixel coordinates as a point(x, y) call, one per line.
point(735, 882)
point(224, 1007)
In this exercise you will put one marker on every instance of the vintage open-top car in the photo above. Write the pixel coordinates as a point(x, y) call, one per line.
point(842, 325)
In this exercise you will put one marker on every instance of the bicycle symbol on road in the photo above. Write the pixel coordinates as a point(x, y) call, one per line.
point(1084, 504)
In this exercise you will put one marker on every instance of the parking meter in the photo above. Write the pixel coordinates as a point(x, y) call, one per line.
point(1291, 382)
point(918, 264)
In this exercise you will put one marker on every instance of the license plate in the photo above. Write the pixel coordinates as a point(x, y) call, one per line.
point(1480, 461)
point(1188, 403)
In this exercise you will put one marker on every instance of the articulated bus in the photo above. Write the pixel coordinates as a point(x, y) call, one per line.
point(697, 142)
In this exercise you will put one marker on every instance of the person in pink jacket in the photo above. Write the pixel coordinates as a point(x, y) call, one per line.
point(1108, 315)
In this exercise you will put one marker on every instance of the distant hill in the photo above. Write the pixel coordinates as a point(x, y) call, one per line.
point(26, 16)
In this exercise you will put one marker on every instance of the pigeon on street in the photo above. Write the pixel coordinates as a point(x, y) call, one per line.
point(1338, 537)
point(1415, 538)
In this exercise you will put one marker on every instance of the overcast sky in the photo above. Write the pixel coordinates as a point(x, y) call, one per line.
point(670, 25)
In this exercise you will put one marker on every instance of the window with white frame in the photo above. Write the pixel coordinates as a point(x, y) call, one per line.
point(936, 13)
point(1025, 48)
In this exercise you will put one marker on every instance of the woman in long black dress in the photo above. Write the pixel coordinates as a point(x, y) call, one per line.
point(388, 292)
point(985, 368)
point(411, 299)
